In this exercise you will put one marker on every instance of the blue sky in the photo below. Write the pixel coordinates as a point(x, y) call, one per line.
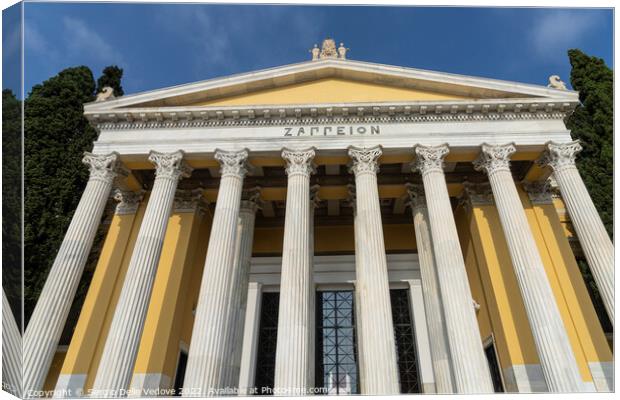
point(160, 45)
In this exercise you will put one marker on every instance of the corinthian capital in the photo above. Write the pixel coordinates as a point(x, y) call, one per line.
point(104, 167)
point(477, 194)
point(251, 200)
point(189, 201)
point(494, 158)
point(365, 160)
point(560, 155)
point(539, 192)
point(128, 201)
point(430, 158)
point(170, 165)
point(299, 162)
point(232, 163)
point(415, 192)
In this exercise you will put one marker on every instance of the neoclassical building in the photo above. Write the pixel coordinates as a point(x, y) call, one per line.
point(330, 227)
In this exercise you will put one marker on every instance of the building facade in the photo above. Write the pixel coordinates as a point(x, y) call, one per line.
point(331, 227)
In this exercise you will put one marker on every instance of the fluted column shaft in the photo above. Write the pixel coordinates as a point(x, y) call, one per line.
point(119, 354)
point(358, 314)
point(11, 351)
point(50, 314)
point(469, 365)
point(594, 240)
point(314, 203)
point(208, 351)
point(430, 290)
point(293, 346)
point(241, 278)
point(554, 349)
point(378, 358)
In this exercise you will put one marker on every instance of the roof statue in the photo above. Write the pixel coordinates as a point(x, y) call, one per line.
point(556, 83)
point(315, 52)
point(342, 51)
point(328, 50)
point(106, 93)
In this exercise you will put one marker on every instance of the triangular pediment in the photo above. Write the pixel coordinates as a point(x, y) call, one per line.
point(332, 82)
point(328, 91)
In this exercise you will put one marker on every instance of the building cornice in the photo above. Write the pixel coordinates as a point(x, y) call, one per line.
point(321, 114)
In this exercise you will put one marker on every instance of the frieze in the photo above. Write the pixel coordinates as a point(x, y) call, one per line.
point(320, 123)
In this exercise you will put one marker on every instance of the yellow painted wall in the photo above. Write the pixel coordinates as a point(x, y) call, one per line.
point(582, 325)
point(92, 315)
point(162, 325)
point(107, 310)
point(487, 259)
point(335, 239)
point(329, 90)
point(187, 319)
point(495, 287)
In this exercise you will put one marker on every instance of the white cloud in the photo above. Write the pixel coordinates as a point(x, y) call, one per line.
point(82, 40)
point(559, 30)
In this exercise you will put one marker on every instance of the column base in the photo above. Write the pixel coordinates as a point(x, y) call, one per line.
point(525, 378)
point(70, 385)
point(150, 385)
point(602, 375)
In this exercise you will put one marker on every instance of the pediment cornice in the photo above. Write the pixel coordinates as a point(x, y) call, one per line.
point(440, 82)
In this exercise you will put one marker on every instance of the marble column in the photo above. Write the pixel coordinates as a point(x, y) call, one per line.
point(430, 289)
point(50, 314)
point(250, 339)
point(372, 286)
point(121, 346)
point(241, 270)
point(594, 240)
point(208, 351)
point(470, 369)
point(11, 351)
point(314, 203)
point(554, 349)
point(361, 381)
point(293, 346)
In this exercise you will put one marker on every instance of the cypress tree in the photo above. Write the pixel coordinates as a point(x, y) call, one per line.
point(111, 77)
point(56, 134)
point(592, 124)
point(12, 201)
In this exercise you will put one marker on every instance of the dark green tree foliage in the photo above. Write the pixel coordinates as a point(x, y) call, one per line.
point(55, 138)
point(592, 123)
point(11, 201)
point(111, 77)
